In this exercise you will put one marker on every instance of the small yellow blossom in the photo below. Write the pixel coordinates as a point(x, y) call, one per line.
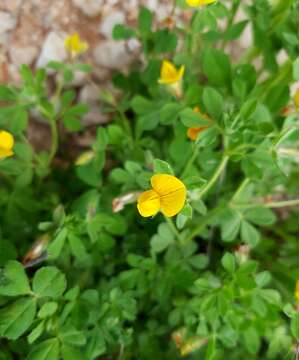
point(193, 132)
point(197, 3)
point(170, 74)
point(84, 158)
point(168, 196)
point(74, 45)
point(297, 290)
point(296, 98)
point(6, 144)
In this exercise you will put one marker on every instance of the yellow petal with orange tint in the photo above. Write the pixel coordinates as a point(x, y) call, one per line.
point(193, 132)
point(195, 3)
point(297, 290)
point(148, 203)
point(169, 73)
point(172, 192)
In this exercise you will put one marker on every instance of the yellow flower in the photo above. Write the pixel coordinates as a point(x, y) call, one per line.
point(84, 158)
point(74, 45)
point(196, 3)
point(168, 196)
point(6, 144)
point(297, 290)
point(169, 73)
point(296, 98)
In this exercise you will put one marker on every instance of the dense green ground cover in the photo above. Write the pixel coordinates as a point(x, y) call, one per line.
point(83, 274)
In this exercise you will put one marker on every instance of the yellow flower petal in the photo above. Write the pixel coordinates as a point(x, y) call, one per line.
point(172, 193)
point(169, 73)
point(84, 158)
point(196, 3)
point(6, 140)
point(5, 153)
point(74, 45)
point(6, 144)
point(148, 203)
point(296, 98)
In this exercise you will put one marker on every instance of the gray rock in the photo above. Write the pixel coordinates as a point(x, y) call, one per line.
point(7, 22)
point(23, 54)
point(109, 21)
point(90, 8)
point(112, 54)
point(53, 49)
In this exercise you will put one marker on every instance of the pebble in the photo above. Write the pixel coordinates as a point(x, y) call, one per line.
point(53, 49)
point(112, 54)
point(23, 54)
point(7, 22)
point(109, 21)
point(89, 8)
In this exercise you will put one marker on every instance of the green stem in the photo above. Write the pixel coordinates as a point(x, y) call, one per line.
point(206, 220)
point(173, 228)
point(231, 18)
point(240, 189)
point(274, 204)
point(126, 125)
point(214, 178)
point(190, 162)
point(54, 142)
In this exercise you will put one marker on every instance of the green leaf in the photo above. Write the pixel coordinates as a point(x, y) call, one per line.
point(249, 234)
point(54, 249)
point(49, 282)
point(6, 94)
point(191, 118)
point(145, 19)
point(200, 261)
point(252, 340)
point(70, 353)
point(36, 332)
point(260, 216)
point(159, 243)
point(47, 350)
point(230, 225)
point(164, 41)
point(228, 261)
point(234, 31)
point(162, 167)
point(263, 278)
point(69, 335)
point(122, 32)
point(13, 280)
point(47, 310)
point(216, 67)
point(77, 247)
point(169, 113)
point(16, 318)
point(213, 102)
point(296, 69)
point(295, 326)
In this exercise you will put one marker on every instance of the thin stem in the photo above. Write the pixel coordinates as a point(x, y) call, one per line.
point(190, 162)
point(206, 220)
point(240, 189)
point(173, 228)
point(274, 204)
point(214, 178)
point(278, 204)
point(54, 142)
